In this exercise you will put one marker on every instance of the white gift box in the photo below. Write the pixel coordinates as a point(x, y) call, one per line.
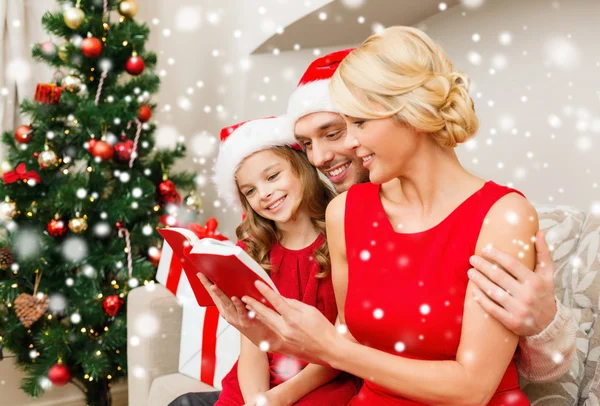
point(209, 345)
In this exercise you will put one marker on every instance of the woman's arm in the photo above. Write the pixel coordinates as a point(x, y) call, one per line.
point(486, 346)
point(547, 328)
point(253, 371)
point(310, 378)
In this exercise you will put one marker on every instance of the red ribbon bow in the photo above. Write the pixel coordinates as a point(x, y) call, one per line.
point(207, 231)
point(20, 174)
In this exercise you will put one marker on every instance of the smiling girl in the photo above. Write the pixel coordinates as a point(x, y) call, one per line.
point(260, 170)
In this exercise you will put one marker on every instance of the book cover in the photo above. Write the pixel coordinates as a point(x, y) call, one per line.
point(225, 264)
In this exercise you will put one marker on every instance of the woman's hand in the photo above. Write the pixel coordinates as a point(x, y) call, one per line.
point(234, 312)
point(302, 329)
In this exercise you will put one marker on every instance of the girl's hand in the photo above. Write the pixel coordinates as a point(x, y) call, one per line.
point(235, 313)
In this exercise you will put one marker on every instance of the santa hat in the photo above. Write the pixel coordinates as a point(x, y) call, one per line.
point(312, 93)
point(241, 140)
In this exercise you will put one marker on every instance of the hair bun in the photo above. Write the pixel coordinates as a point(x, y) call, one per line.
point(458, 112)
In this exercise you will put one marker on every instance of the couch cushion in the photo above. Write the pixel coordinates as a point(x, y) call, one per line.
point(563, 226)
point(586, 292)
point(167, 388)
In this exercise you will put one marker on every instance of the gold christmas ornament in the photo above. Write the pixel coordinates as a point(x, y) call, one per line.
point(193, 202)
point(128, 8)
point(47, 159)
point(63, 52)
point(78, 224)
point(8, 209)
point(72, 83)
point(74, 17)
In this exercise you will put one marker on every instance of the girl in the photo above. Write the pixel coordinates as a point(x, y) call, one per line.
point(401, 246)
point(284, 201)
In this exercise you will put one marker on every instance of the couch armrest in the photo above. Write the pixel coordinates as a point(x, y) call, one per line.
point(153, 336)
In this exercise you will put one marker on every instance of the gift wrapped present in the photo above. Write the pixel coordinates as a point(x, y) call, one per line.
point(47, 93)
point(209, 345)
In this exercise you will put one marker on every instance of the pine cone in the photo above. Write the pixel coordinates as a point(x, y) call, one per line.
point(29, 309)
point(6, 259)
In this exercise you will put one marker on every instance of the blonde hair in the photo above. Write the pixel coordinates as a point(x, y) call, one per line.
point(403, 73)
point(259, 234)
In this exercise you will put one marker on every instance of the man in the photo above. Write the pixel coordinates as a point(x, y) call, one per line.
point(531, 311)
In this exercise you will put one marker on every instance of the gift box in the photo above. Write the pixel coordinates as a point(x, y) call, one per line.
point(209, 345)
point(47, 93)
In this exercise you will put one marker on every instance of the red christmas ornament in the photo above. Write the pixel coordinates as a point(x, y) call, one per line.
point(57, 228)
point(172, 199)
point(24, 134)
point(111, 304)
point(59, 375)
point(123, 151)
point(144, 113)
point(165, 189)
point(47, 93)
point(91, 47)
point(103, 150)
point(135, 65)
point(90, 144)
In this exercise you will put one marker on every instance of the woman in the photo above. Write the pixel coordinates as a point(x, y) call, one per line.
point(411, 331)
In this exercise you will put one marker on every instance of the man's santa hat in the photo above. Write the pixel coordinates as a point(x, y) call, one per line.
point(241, 140)
point(312, 93)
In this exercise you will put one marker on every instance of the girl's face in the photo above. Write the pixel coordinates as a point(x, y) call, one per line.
point(270, 186)
point(384, 145)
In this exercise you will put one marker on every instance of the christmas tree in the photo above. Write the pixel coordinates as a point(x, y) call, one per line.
point(82, 200)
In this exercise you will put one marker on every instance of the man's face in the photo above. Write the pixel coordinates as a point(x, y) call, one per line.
point(322, 137)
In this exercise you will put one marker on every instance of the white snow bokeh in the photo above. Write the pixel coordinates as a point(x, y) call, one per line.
point(474, 57)
point(18, 70)
point(472, 4)
point(166, 137)
point(57, 303)
point(353, 3)
point(139, 372)
point(74, 249)
point(102, 229)
point(204, 144)
point(27, 244)
point(184, 103)
point(188, 19)
point(287, 367)
point(146, 325)
point(88, 270)
point(562, 53)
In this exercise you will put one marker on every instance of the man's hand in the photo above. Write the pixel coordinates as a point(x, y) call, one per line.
point(520, 299)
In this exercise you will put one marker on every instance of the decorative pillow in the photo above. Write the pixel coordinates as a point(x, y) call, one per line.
point(586, 292)
point(563, 225)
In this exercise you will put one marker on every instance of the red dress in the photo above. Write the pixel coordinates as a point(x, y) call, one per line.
point(294, 277)
point(406, 291)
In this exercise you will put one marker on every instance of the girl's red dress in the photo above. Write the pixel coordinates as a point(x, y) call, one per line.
point(295, 278)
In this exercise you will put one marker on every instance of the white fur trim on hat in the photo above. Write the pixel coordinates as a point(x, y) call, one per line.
point(310, 98)
point(251, 137)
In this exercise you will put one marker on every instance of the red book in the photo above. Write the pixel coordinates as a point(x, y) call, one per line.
point(225, 264)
